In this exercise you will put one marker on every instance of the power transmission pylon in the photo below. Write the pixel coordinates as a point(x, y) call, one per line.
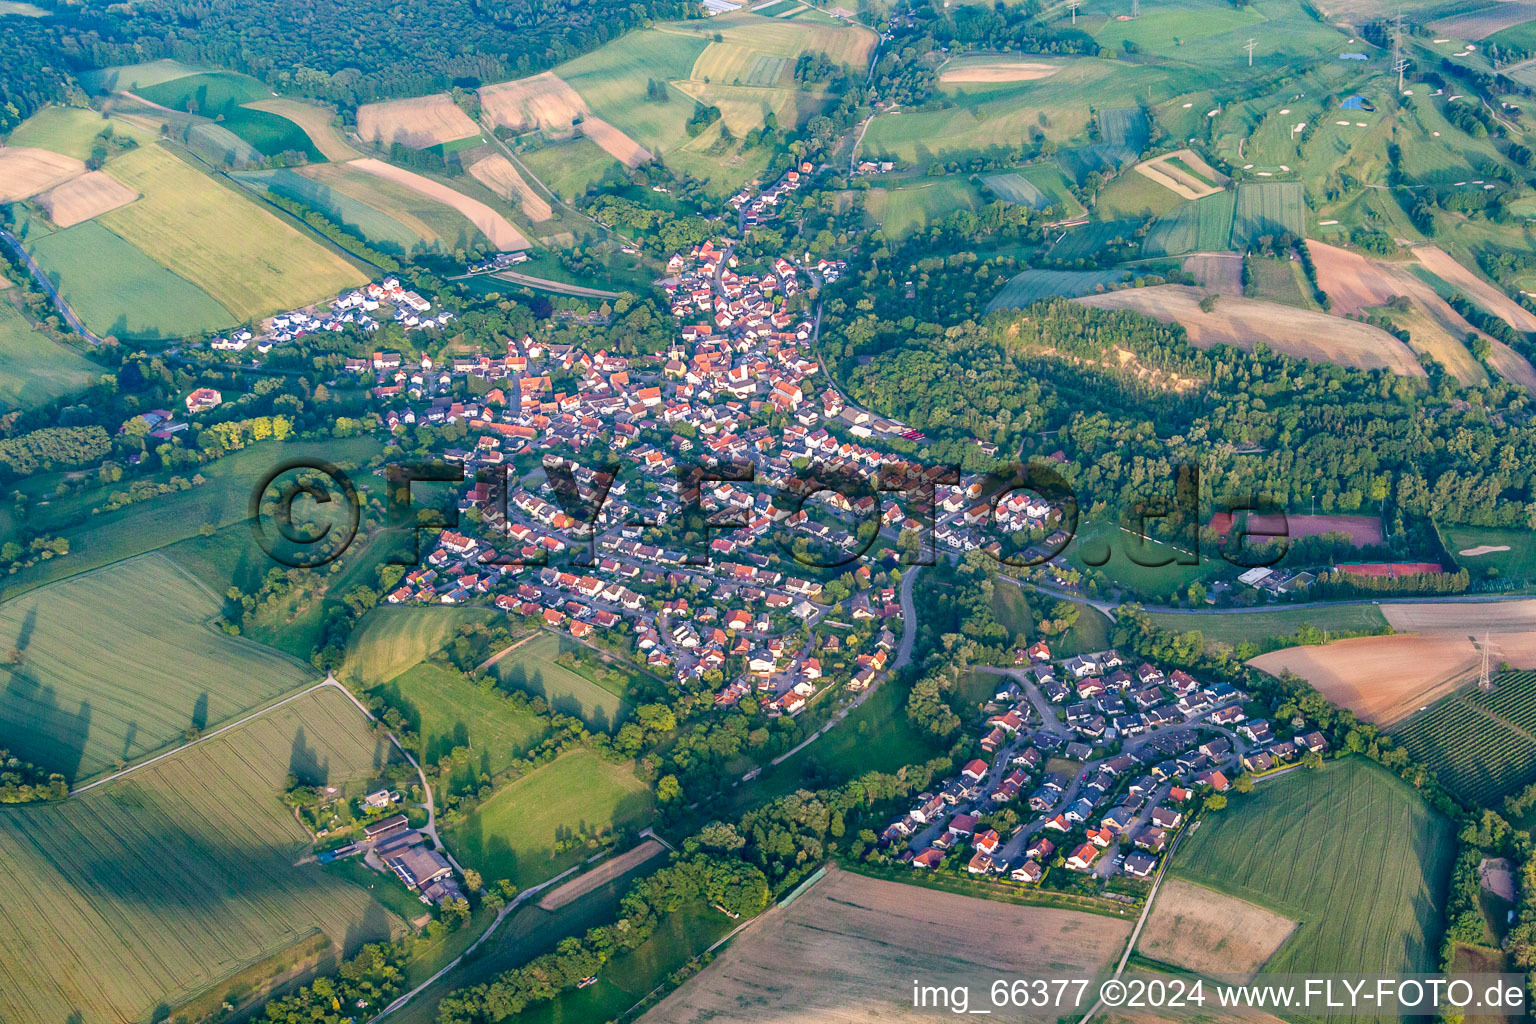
point(1484, 677)
point(1135, 8)
point(1073, 5)
point(1399, 62)
point(1249, 45)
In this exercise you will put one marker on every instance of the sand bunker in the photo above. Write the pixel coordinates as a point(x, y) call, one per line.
point(1482, 549)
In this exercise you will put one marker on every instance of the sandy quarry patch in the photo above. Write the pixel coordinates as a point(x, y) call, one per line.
point(496, 173)
point(1386, 678)
point(547, 102)
point(845, 953)
point(80, 199)
point(999, 71)
point(1245, 322)
point(1440, 263)
point(1166, 173)
point(1482, 549)
point(1209, 932)
point(24, 171)
point(492, 225)
point(418, 122)
point(1220, 272)
point(601, 875)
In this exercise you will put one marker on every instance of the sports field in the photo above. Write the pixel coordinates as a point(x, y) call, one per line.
point(1349, 851)
point(33, 368)
point(1095, 540)
point(118, 290)
point(214, 237)
point(1480, 744)
point(117, 663)
point(515, 833)
point(849, 937)
point(446, 710)
point(149, 890)
point(1034, 285)
point(532, 668)
point(390, 639)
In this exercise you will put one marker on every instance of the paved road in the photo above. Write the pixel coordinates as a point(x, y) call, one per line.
point(47, 286)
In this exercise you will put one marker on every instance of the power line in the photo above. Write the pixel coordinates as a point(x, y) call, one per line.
point(1249, 47)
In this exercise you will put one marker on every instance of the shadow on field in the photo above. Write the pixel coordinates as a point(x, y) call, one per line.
point(35, 728)
point(305, 762)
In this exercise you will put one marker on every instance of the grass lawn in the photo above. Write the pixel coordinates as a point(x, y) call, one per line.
point(1011, 607)
point(1164, 581)
point(919, 204)
point(34, 369)
point(1088, 634)
point(514, 834)
point(447, 710)
point(1518, 562)
point(127, 77)
point(532, 668)
point(569, 168)
point(120, 291)
point(1258, 627)
point(1349, 851)
point(103, 877)
point(1279, 281)
point(215, 237)
point(1134, 195)
point(70, 131)
point(391, 639)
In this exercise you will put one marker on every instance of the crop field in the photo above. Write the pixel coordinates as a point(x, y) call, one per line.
point(1485, 551)
point(217, 145)
point(842, 43)
point(68, 131)
point(25, 172)
point(119, 662)
point(1519, 33)
point(1480, 744)
point(1184, 174)
point(105, 922)
point(1268, 208)
point(1208, 36)
point(1048, 178)
point(1440, 263)
point(849, 935)
point(1124, 126)
point(1201, 226)
point(118, 290)
point(515, 833)
point(1015, 188)
point(1220, 272)
point(1100, 157)
point(1349, 851)
point(980, 68)
point(1209, 932)
point(569, 168)
point(920, 204)
point(208, 94)
point(1483, 20)
point(400, 233)
point(1258, 627)
point(1134, 196)
point(446, 710)
point(1242, 322)
point(34, 369)
point(128, 77)
point(1279, 281)
point(214, 237)
point(1086, 240)
point(498, 174)
point(80, 199)
point(315, 121)
point(1034, 285)
point(390, 639)
point(532, 668)
point(488, 222)
point(419, 122)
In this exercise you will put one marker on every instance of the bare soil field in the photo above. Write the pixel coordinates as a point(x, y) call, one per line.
point(545, 101)
point(80, 199)
point(24, 172)
point(1386, 678)
point(1360, 529)
point(502, 233)
point(1176, 179)
point(1246, 322)
point(1209, 932)
point(1220, 272)
point(1485, 22)
point(600, 876)
point(316, 122)
point(999, 70)
point(1441, 264)
point(845, 953)
point(496, 173)
point(418, 122)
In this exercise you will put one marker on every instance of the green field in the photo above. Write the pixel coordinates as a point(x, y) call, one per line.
point(120, 662)
point(1085, 241)
point(1034, 285)
point(1482, 745)
point(1257, 627)
point(1164, 581)
point(219, 146)
point(35, 369)
point(1518, 563)
point(919, 205)
point(1040, 185)
point(569, 168)
point(1268, 208)
point(127, 77)
point(221, 96)
point(1013, 187)
point(533, 669)
point(514, 833)
point(1204, 225)
point(215, 237)
point(1349, 851)
point(1011, 607)
point(1133, 195)
point(149, 890)
point(69, 130)
point(1088, 634)
point(1279, 281)
point(118, 290)
point(446, 710)
point(1208, 36)
point(390, 639)
point(378, 228)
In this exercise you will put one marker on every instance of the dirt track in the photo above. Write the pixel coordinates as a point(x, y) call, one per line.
point(1246, 322)
point(601, 875)
point(847, 951)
